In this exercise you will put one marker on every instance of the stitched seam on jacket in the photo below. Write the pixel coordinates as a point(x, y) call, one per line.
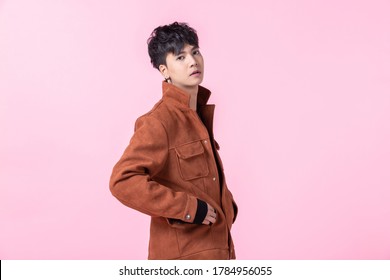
point(177, 240)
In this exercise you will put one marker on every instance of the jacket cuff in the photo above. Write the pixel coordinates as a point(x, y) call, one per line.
point(201, 212)
point(235, 208)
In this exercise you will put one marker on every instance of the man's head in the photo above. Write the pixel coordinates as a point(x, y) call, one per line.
point(170, 39)
point(174, 51)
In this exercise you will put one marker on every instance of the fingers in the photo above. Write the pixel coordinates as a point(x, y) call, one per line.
point(211, 216)
point(208, 221)
point(212, 220)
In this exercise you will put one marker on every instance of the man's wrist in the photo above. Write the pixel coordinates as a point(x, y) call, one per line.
point(201, 212)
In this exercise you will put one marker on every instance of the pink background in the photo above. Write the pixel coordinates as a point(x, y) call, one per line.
point(303, 119)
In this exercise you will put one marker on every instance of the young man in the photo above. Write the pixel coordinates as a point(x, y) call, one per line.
point(171, 169)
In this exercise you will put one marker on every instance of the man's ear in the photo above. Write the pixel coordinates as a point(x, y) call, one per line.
point(164, 71)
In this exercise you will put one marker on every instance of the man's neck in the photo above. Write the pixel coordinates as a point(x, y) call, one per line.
point(193, 101)
point(193, 93)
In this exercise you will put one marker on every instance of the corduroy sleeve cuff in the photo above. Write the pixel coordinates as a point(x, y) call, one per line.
point(201, 212)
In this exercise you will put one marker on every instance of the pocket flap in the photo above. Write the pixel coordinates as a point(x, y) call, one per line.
point(190, 150)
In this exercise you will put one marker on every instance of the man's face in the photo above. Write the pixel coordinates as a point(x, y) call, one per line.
point(184, 69)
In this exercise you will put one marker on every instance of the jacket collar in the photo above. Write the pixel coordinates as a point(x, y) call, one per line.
point(172, 92)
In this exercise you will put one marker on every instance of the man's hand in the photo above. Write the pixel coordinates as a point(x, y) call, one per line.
point(211, 216)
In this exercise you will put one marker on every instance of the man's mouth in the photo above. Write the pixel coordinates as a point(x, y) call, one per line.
point(195, 72)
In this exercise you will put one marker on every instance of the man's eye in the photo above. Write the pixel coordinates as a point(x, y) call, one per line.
point(196, 52)
point(180, 57)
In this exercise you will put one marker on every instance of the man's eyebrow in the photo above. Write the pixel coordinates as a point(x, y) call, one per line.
point(193, 48)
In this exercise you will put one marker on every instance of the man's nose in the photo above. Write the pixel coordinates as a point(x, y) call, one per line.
point(192, 61)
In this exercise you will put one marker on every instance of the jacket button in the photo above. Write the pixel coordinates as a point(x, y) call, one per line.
point(205, 141)
point(214, 178)
point(188, 217)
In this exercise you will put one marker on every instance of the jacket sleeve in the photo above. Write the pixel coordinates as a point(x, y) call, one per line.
point(144, 157)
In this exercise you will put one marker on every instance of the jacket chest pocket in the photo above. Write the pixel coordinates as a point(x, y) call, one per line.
point(192, 161)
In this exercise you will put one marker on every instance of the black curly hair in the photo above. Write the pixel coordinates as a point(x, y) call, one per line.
point(170, 39)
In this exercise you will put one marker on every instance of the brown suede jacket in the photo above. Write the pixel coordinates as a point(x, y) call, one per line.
point(170, 169)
